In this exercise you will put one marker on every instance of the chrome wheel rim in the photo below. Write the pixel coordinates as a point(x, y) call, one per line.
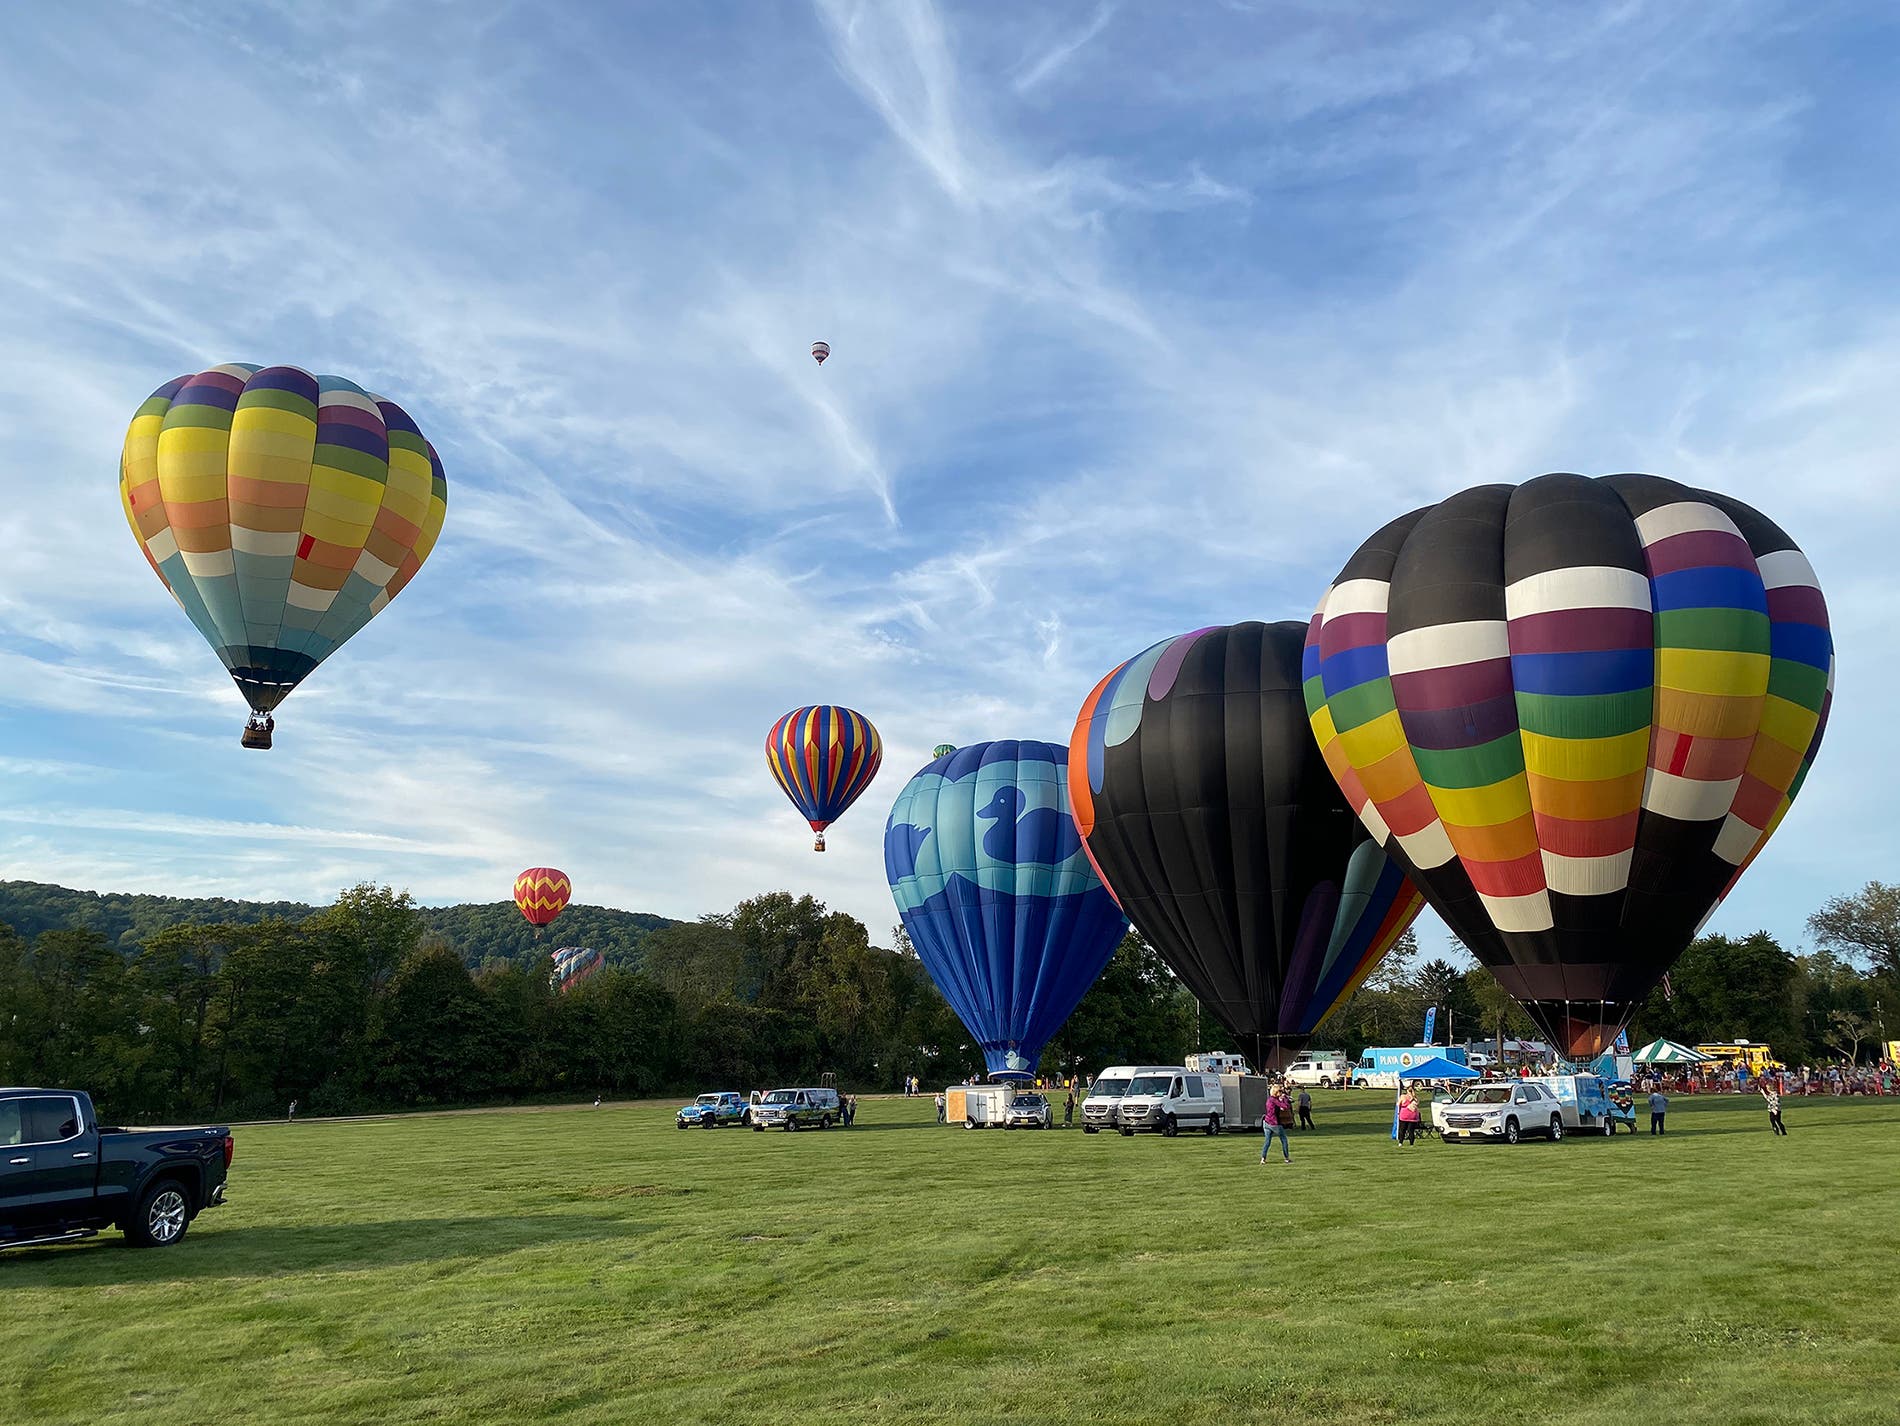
point(167, 1217)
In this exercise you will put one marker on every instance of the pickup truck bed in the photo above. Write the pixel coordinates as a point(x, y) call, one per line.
point(63, 1176)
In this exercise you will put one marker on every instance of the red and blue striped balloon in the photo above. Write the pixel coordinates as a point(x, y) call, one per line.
point(823, 757)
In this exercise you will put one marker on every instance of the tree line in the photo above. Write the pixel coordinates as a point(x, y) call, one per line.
point(366, 1005)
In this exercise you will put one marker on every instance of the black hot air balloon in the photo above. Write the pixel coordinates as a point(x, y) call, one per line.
point(1205, 805)
point(1575, 709)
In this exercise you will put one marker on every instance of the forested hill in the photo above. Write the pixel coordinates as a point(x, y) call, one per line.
point(480, 933)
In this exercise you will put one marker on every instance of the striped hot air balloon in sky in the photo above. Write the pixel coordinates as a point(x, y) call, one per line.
point(819, 351)
point(1575, 709)
point(542, 893)
point(282, 510)
point(823, 757)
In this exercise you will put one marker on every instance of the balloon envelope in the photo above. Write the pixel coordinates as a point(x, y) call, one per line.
point(1209, 813)
point(822, 757)
point(282, 510)
point(1575, 709)
point(819, 351)
point(1003, 908)
point(542, 893)
point(575, 964)
point(943, 750)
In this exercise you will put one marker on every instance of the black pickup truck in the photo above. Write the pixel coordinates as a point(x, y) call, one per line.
point(63, 1177)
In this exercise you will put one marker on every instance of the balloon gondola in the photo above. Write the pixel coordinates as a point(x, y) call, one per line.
point(282, 511)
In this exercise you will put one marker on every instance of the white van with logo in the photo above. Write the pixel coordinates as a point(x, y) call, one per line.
point(1166, 1099)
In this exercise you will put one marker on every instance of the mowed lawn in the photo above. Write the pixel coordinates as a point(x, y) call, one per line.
point(597, 1265)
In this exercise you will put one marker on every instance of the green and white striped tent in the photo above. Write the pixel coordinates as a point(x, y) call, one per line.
point(1668, 1052)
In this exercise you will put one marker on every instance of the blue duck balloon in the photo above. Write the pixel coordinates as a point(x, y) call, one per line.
point(1000, 900)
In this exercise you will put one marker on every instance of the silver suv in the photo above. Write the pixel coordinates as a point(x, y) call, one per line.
point(793, 1109)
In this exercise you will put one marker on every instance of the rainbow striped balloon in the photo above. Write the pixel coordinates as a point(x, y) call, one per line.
point(282, 510)
point(1575, 710)
point(823, 757)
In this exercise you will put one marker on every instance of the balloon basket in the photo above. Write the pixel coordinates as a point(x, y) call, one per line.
point(257, 735)
point(818, 842)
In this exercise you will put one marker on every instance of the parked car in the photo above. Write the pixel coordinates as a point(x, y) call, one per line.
point(792, 1109)
point(1500, 1109)
point(709, 1111)
point(1323, 1069)
point(1028, 1111)
point(63, 1177)
point(1171, 1099)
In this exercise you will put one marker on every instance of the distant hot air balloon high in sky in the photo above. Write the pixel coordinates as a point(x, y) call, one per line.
point(1000, 902)
point(574, 965)
point(282, 510)
point(943, 750)
point(823, 757)
point(1208, 811)
point(1575, 709)
point(819, 351)
point(542, 893)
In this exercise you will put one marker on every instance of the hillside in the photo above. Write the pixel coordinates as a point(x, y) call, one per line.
point(480, 932)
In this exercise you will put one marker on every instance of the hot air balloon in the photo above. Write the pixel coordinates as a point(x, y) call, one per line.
point(1209, 813)
point(943, 750)
point(819, 351)
point(283, 511)
point(1003, 908)
point(1575, 709)
point(823, 757)
point(574, 964)
point(542, 893)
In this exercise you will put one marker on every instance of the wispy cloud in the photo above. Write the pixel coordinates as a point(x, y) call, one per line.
point(1136, 326)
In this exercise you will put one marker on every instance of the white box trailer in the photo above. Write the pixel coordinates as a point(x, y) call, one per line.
point(978, 1106)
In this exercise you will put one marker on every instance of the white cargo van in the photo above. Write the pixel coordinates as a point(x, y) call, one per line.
point(1167, 1099)
point(1105, 1094)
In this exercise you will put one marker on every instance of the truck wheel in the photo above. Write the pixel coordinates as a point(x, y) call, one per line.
point(1169, 1127)
point(1088, 1128)
point(679, 1124)
point(791, 1125)
point(1128, 1133)
point(1609, 1127)
point(1556, 1127)
point(162, 1216)
point(706, 1121)
point(1213, 1125)
point(1510, 1131)
point(1325, 1083)
point(758, 1128)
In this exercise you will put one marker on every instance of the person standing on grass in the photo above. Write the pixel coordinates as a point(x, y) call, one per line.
point(1658, 1106)
point(1306, 1109)
point(940, 1118)
point(1273, 1116)
point(1068, 1110)
point(1408, 1117)
point(293, 1112)
point(1773, 1096)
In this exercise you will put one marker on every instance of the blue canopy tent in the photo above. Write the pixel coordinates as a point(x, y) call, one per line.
point(1436, 1067)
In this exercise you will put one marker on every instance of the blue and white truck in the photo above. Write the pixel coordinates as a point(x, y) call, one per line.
point(1379, 1065)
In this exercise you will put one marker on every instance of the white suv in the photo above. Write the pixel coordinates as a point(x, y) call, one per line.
point(1506, 1109)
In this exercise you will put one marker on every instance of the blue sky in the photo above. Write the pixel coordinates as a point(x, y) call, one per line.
point(1142, 317)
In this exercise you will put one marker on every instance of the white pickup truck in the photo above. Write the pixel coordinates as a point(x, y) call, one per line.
point(1320, 1071)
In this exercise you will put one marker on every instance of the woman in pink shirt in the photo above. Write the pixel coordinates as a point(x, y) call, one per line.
point(1273, 1116)
point(1408, 1117)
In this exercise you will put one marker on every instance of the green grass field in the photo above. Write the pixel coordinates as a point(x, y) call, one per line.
point(599, 1266)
